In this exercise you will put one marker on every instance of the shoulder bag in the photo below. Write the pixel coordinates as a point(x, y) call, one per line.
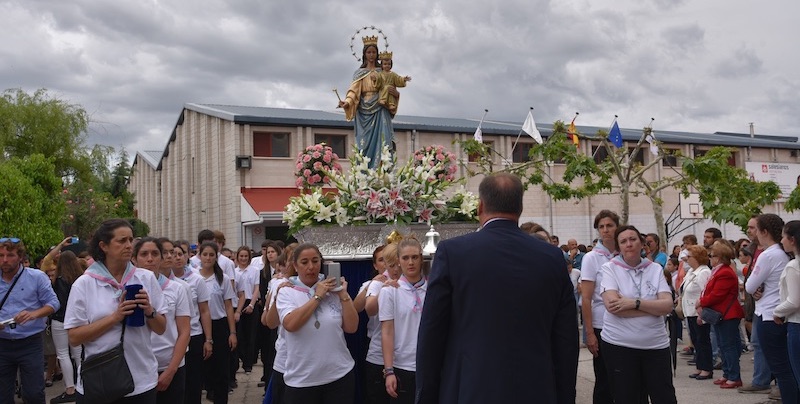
point(106, 376)
point(711, 316)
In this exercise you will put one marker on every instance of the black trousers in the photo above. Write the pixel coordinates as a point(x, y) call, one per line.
point(245, 332)
point(374, 385)
point(406, 387)
point(148, 397)
point(175, 392)
point(278, 387)
point(216, 368)
point(194, 370)
point(336, 392)
point(639, 373)
point(602, 380)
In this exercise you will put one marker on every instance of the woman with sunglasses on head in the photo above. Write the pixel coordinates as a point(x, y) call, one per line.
point(721, 294)
point(170, 347)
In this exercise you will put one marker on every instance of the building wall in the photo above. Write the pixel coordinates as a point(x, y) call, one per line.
point(201, 187)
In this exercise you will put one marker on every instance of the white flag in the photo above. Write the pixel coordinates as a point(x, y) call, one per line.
point(478, 134)
point(651, 139)
point(530, 128)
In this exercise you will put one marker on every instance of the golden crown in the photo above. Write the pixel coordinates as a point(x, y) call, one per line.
point(385, 55)
point(370, 40)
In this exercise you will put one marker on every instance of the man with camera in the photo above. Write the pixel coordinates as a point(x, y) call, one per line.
point(26, 299)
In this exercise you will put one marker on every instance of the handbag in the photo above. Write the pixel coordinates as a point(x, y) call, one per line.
point(679, 309)
point(106, 376)
point(711, 316)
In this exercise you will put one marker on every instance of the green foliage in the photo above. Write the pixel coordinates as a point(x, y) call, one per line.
point(37, 123)
point(726, 192)
point(30, 205)
point(793, 201)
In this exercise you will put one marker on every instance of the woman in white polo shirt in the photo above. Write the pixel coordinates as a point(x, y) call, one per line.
point(97, 307)
point(223, 328)
point(764, 284)
point(247, 281)
point(200, 346)
point(788, 311)
point(170, 347)
point(400, 310)
point(319, 367)
point(635, 342)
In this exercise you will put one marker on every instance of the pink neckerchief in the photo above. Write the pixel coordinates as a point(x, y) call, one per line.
point(99, 271)
point(639, 267)
point(414, 288)
point(163, 281)
point(604, 251)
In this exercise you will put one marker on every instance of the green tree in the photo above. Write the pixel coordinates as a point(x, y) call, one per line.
point(37, 123)
point(30, 202)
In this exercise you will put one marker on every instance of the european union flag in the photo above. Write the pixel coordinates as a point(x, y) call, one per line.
point(615, 136)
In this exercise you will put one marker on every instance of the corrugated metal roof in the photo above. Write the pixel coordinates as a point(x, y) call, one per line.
point(152, 157)
point(286, 116)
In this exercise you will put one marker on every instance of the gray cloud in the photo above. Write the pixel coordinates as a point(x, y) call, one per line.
point(693, 66)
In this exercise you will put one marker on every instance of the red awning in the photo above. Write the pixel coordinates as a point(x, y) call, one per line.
point(274, 199)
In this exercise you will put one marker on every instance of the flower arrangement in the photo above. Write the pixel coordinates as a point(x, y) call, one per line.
point(313, 165)
point(423, 190)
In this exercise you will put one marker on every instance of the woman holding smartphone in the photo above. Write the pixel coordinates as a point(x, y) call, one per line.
point(400, 311)
point(319, 367)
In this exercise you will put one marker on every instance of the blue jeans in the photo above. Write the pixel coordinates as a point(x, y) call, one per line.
point(27, 356)
point(728, 340)
point(762, 375)
point(793, 340)
point(775, 346)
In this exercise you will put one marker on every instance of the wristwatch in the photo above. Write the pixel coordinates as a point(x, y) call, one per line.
point(151, 315)
point(638, 302)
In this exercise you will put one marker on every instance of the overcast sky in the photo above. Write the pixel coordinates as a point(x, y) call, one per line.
point(710, 65)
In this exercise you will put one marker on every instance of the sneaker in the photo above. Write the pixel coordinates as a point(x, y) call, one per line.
point(775, 393)
point(64, 398)
point(754, 389)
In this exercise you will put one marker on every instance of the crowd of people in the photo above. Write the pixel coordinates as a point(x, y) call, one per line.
point(190, 316)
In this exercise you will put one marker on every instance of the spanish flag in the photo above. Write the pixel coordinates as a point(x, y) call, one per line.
point(573, 133)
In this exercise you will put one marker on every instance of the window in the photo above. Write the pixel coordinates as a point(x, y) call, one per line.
point(337, 142)
point(521, 152)
point(269, 144)
point(670, 158)
point(473, 157)
point(731, 158)
point(600, 153)
point(636, 156)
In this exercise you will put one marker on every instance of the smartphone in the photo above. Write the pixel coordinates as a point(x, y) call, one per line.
point(74, 240)
point(334, 270)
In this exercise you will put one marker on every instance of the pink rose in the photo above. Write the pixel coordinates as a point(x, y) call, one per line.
point(306, 158)
point(440, 157)
point(318, 165)
point(315, 179)
point(326, 158)
point(316, 155)
point(306, 173)
point(299, 166)
point(317, 146)
point(326, 180)
point(298, 182)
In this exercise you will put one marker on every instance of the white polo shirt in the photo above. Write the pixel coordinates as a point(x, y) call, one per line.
point(246, 280)
point(228, 267)
point(217, 295)
point(591, 271)
point(279, 364)
point(198, 293)
point(644, 282)
point(315, 356)
point(91, 300)
point(176, 299)
point(769, 266)
point(397, 304)
point(375, 350)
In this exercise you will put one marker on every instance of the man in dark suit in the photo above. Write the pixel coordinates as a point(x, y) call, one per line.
point(499, 322)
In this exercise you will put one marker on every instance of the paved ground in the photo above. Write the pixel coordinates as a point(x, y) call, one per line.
point(688, 390)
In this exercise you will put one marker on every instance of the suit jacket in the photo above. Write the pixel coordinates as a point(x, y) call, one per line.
point(499, 321)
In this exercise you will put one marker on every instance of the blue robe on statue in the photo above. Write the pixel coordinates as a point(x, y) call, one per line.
point(373, 122)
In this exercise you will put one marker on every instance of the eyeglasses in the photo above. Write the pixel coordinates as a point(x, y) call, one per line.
point(13, 240)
